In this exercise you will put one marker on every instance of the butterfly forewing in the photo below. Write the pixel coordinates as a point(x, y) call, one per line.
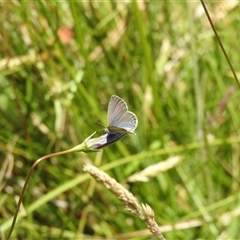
point(116, 108)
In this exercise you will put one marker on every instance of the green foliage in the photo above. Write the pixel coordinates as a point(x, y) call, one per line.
point(162, 58)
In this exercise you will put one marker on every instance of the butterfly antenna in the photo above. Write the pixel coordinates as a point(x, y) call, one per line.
point(100, 123)
point(103, 129)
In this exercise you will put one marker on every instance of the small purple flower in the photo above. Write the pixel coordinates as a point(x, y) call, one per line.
point(103, 141)
point(94, 144)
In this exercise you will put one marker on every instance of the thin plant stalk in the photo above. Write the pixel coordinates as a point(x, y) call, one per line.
point(26, 183)
point(220, 43)
point(89, 145)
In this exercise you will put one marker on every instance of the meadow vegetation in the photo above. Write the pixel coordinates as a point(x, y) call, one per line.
point(61, 61)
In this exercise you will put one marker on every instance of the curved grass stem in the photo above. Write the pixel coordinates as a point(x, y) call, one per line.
point(26, 183)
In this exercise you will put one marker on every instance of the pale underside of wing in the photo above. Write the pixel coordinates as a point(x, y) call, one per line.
point(119, 118)
point(128, 122)
point(116, 108)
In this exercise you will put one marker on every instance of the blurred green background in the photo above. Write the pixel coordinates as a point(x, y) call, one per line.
point(61, 61)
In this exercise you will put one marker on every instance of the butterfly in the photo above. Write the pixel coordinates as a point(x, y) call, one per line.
point(120, 120)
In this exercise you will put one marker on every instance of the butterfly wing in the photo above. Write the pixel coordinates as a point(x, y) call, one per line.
point(116, 108)
point(128, 122)
point(119, 118)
